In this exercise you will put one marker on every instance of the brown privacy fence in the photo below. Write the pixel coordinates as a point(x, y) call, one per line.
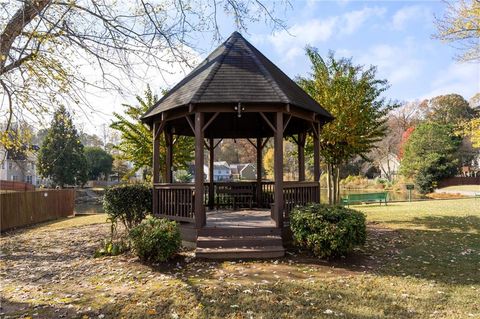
point(459, 180)
point(25, 208)
point(16, 186)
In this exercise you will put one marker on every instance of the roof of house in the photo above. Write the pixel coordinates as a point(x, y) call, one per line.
point(236, 72)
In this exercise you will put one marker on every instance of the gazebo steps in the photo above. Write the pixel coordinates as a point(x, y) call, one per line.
point(238, 241)
point(243, 253)
point(239, 231)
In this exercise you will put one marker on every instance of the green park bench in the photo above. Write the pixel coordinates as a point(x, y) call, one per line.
point(364, 198)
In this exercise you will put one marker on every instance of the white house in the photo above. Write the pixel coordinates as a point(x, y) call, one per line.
point(389, 166)
point(221, 171)
point(243, 171)
point(19, 166)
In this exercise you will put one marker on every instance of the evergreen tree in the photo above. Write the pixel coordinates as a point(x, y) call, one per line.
point(430, 154)
point(61, 157)
point(99, 162)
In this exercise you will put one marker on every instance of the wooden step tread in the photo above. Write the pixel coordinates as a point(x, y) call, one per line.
point(242, 249)
point(228, 238)
point(243, 253)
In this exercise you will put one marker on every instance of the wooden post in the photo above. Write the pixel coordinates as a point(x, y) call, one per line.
point(278, 171)
point(169, 155)
point(301, 157)
point(316, 155)
point(200, 217)
point(156, 166)
point(259, 171)
point(211, 192)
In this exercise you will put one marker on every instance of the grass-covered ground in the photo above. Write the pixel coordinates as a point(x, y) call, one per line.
point(466, 188)
point(421, 260)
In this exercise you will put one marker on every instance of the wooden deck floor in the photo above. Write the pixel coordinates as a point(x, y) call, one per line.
point(248, 218)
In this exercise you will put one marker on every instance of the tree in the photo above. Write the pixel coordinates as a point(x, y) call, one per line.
point(136, 142)
point(99, 162)
point(61, 157)
point(449, 109)
point(120, 168)
point(430, 155)
point(352, 94)
point(471, 129)
point(50, 50)
point(460, 25)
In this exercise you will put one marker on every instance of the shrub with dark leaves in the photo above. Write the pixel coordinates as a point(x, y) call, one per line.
point(155, 239)
point(327, 231)
point(128, 204)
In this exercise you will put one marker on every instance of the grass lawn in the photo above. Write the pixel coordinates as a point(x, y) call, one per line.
point(468, 188)
point(421, 260)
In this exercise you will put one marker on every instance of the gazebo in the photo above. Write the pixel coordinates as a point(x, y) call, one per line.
point(236, 92)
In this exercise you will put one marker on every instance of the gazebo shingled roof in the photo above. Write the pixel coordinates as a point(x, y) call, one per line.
point(236, 72)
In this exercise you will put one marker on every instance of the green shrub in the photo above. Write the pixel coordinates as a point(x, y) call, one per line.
point(155, 239)
point(128, 204)
point(327, 231)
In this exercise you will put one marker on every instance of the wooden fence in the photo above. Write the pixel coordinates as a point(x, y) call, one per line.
point(16, 186)
point(25, 208)
point(459, 180)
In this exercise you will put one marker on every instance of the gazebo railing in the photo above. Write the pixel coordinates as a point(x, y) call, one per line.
point(176, 201)
point(299, 193)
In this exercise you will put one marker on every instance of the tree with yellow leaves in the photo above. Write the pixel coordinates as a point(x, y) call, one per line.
point(461, 25)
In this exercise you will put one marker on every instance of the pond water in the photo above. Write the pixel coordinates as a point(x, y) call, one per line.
point(89, 208)
point(392, 196)
point(97, 208)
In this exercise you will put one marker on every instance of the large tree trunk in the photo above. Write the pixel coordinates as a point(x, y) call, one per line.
point(329, 183)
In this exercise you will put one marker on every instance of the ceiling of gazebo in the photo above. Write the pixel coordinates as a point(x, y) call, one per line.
point(236, 72)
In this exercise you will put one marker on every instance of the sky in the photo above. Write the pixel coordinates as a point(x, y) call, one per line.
point(395, 36)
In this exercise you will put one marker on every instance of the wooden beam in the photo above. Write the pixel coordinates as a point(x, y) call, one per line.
point(301, 156)
point(211, 166)
point(268, 122)
point(278, 171)
point(210, 121)
point(158, 130)
point(156, 166)
point(259, 170)
point(265, 142)
point(190, 123)
point(253, 144)
point(200, 218)
point(219, 141)
point(316, 156)
point(169, 155)
point(314, 128)
point(286, 124)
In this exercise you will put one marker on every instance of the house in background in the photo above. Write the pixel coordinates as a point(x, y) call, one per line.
point(389, 166)
point(221, 172)
point(20, 166)
point(243, 171)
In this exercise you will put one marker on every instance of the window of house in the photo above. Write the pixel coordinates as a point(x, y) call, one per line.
point(14, 177)
point(10, 165)
point(29, 179)
point(33, 165)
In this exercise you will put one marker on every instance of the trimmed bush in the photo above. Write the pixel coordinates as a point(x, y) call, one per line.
point(327, 231)
point(155, 239)
point(128, 204)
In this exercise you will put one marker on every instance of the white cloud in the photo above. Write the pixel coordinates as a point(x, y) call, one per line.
point(353, 20)
point(460, 78)
point(290, 44)
point(407, 14)
point(397, 63)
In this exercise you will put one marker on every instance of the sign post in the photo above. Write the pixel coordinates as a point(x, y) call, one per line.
point(410, 187)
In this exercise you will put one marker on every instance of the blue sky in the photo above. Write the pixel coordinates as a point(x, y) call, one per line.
point(394, 36)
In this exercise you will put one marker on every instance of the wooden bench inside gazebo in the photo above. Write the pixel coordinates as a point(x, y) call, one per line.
point(236, 92)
